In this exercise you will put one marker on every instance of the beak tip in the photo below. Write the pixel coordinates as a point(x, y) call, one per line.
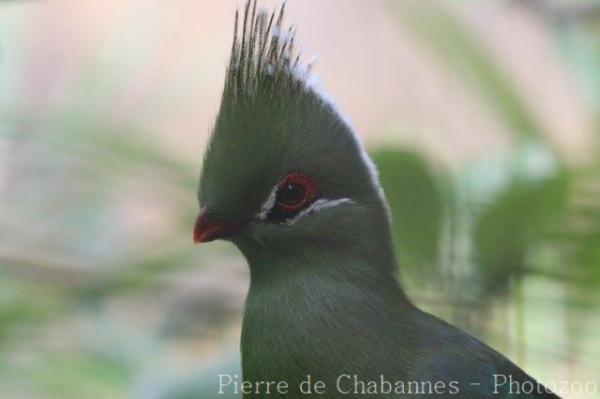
point(208, 228)
point(199, 228)
point(199, 237)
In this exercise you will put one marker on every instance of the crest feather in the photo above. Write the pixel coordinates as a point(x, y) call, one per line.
point(263, 55)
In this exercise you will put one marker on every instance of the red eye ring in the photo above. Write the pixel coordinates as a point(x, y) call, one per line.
point(295, 192)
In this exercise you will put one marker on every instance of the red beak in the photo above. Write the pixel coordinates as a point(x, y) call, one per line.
point(209, 228)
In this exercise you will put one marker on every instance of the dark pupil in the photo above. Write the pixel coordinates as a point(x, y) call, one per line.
point(290, 194)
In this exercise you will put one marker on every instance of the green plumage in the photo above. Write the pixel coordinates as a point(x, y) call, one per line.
point(324, 300)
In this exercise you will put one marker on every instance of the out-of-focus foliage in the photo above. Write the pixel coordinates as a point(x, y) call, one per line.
point(519, 218)
point(460, 50)
point(417, 206)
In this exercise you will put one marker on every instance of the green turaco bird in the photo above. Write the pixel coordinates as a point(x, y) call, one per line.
point(287, 181)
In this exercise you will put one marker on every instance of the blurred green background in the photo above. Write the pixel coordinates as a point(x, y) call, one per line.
point(483, 117)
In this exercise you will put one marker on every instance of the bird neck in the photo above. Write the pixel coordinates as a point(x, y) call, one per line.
point(360, 266)
point(312, 300)
point(303, 321)
point(364, 262)
point(355, 263)
point(326, 273)
point(360, 255)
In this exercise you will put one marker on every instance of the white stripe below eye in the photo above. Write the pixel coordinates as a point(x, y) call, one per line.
point(317, 206)
point(266, 208)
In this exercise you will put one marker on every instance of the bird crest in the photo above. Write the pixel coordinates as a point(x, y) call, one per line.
point(264, 57)
point(274, 120)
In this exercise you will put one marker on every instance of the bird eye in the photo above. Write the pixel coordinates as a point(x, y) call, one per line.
point(295, 192)
point(291, 194)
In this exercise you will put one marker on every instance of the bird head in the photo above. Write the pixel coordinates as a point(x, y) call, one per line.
point(284, 171)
